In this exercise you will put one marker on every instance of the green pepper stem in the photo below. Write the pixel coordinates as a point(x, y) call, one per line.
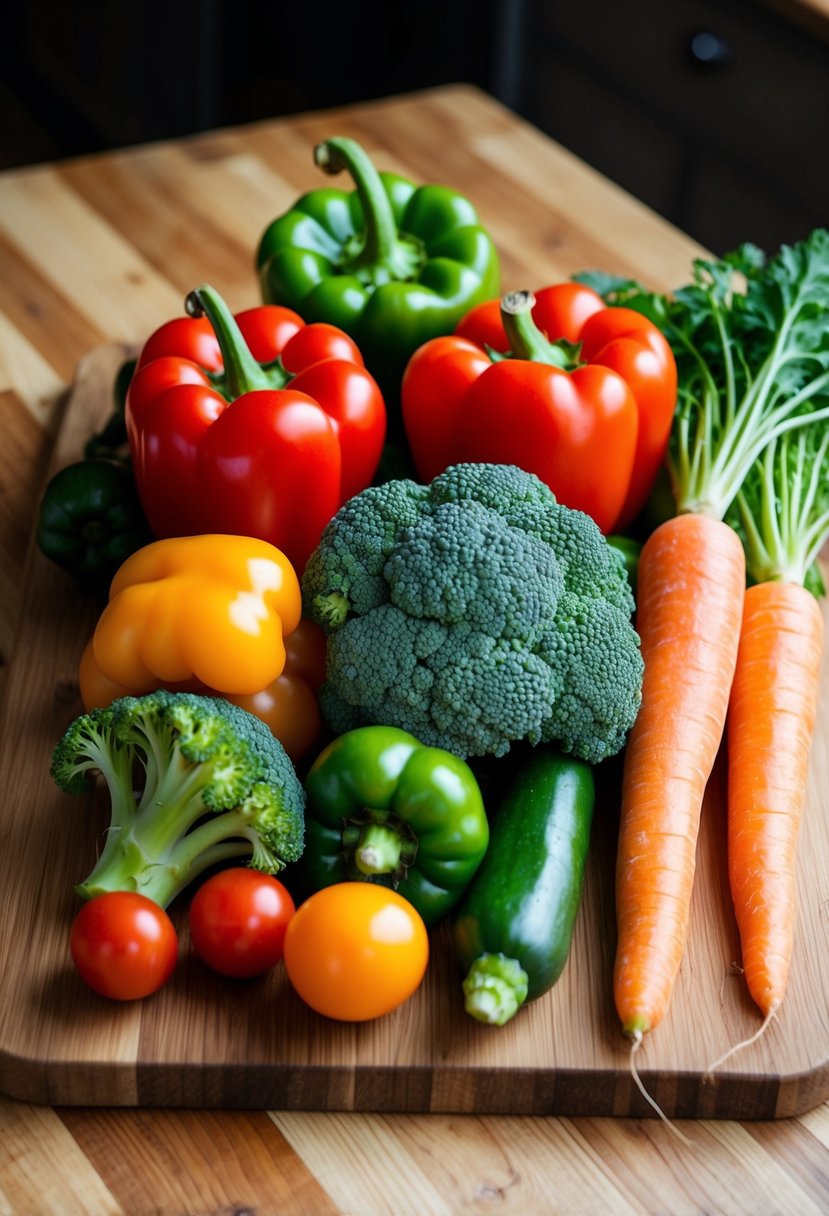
point(495, 988)
point(242, 373)
point(526, 341)
point(378, 851)
point(383, 249)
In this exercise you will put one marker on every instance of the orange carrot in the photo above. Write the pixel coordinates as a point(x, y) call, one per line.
point(752, 368)
point(691, 584)
point(770, 726)
point(783, 512)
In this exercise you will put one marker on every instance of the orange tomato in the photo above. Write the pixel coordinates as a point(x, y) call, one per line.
point(355, 951)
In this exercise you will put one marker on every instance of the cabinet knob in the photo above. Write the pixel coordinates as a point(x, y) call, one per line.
point(708, 50)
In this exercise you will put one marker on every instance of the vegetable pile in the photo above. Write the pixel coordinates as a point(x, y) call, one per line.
point(341, 694)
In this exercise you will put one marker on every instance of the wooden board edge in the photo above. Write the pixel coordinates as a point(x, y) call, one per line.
point(564, 1093)
point(55, 1082)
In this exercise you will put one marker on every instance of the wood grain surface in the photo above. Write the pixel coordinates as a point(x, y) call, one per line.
point(101, 251)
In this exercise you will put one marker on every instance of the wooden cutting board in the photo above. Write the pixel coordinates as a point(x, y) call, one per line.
point(203, 1041)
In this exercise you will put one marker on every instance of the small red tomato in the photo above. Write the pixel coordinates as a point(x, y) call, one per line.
point(238, 920)
point(356, 950)
point(123, 945)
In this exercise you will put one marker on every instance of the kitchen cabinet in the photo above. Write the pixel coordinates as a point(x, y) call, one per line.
point(714, 113)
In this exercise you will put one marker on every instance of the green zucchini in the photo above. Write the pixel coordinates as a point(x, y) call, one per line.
point(514, 926)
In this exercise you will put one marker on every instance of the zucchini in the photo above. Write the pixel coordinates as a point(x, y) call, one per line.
point(514, 925)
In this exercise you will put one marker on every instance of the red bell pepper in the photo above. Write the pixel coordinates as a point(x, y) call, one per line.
point(559, 384)
point(258, 425)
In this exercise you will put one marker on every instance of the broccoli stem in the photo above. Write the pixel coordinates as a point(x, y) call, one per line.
point(151, 848)
point(126, 865)
point(176, 805)
point(495, 988)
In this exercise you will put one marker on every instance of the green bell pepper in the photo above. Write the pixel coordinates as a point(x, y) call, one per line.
point(382, 807)
point(110, 443)
point(390, 263)
point(90, 520)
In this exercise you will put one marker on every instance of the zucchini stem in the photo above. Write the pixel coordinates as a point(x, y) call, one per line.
point(495, 988)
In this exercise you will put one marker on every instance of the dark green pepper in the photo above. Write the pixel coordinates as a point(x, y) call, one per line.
point(90, 519)
point(383, 808)
point(110, 443)
point(513, 929)
point(390, 263)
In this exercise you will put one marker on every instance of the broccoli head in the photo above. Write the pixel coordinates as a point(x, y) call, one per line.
point(192, 781)
point(475, 612)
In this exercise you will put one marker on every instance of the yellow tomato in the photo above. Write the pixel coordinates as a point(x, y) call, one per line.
point(355, 951)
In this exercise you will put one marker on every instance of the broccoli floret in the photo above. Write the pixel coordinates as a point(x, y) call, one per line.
point(475, 612)
point(192, 781)
point(346, 574)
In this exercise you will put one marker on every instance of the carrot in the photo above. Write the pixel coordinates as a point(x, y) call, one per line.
point(748, 337)
point(771, 721)
point(689, 605)
point(783, 516)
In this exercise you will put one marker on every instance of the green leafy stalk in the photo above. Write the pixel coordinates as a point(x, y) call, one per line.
point(782, 510)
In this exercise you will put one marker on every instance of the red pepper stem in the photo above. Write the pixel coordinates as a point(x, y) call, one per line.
point(384, 252)
point(242, 373)
point(526, 341)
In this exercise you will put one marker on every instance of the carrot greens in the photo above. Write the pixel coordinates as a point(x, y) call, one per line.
point(782, 508)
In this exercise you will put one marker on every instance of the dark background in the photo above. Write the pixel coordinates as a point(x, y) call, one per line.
point(714, 112)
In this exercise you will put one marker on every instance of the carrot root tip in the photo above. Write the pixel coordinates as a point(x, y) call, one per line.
point(637, 1038)
point(707, 1076)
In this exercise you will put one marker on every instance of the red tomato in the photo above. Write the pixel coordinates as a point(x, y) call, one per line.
point(123, 945)
point(356, 950)
point(238, 920)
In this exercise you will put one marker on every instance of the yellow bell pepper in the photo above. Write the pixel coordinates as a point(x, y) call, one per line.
point(211, 608)
point(288, 705)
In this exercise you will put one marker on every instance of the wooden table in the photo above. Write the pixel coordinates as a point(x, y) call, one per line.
point(102, 250)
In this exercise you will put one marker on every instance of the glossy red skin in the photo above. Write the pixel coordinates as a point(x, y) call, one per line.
point(596, 436)
point(274, 463)
point(123, 945)
point(238, 919)
point(577, 431)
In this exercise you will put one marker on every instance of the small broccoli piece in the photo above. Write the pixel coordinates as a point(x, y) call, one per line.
point(212, 784)
point(345, 573)
point(473, 613)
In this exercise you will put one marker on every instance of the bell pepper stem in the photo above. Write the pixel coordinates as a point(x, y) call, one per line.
point(495, 988)
point(384, 253)
point(378, 850)
point(526, 340)
point(242, 373)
